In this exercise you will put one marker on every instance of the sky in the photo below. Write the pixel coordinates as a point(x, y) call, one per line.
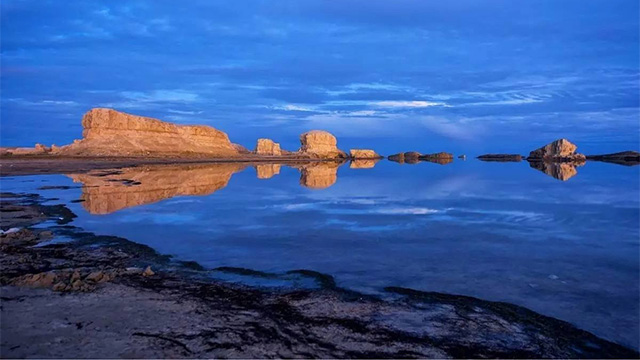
point(461, 76)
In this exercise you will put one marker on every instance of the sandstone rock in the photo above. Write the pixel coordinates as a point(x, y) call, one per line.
point(268, 147)
point(559, 150)
point(148, 272)
point(240, 149)
point(112, 133)
point(320, 144)
point(38, 149)
point(267, 171)
point(95, 276)
point(363, 154)
point(501, 157)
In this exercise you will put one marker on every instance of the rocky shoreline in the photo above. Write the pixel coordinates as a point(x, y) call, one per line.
point(103, 296)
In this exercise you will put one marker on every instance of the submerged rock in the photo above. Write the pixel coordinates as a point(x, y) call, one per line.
point(364, 154)
point(320, 144)
point(107, 132)
point(558, 151)
point(268, 147)
point(628, 158)
point(501, 157)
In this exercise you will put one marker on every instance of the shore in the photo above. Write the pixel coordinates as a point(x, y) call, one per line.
point(104, 296)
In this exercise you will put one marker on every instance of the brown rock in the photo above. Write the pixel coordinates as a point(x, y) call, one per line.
point(319, 175)
point(60, 286)
point(240, 149)
point(112, 133)
point(628, 158)
point(559, 170)
point(412, 157)
point(148, 272)
point(559, 150)
point(268, 147)
point(320, 144)
point(397, 158)
point(364, 154)
point(95, 276)
point(441, 158)
point(501, 157)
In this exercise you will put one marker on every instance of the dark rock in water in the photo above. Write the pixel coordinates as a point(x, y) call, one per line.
point(561, 150)
point(463, 157)
point(501, 157)
point(559, 170)
point(441, 158)
point(412, 157)
point(628, 158)
point(397, 158)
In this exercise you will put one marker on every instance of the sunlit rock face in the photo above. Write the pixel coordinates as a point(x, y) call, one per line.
point(105, 192)
point(363, 154)
point(559, 150)
point(320, 144)
point(267, 171)
point(112, 133)
point(319, 175)
point(363, 163)
point(268, 147)
point(560, 170)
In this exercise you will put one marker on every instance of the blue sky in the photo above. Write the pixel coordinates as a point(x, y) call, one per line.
point(460, 76)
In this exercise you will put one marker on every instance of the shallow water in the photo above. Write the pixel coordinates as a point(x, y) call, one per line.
point(498, 231)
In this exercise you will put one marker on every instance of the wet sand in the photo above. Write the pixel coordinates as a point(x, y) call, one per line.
point(94, 297)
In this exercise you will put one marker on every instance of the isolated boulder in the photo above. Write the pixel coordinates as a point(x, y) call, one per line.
point(320, 144)
point(107, 132)
point(363, 154)
point(558, 151)
point(412, 157)
point(268, 147)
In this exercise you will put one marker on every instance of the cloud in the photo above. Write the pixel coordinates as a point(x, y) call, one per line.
point(409, 104)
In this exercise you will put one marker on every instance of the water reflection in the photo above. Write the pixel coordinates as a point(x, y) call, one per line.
point(104, 192)
point(561, 171)
point(363, 163)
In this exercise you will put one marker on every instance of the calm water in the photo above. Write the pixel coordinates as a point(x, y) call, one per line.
point(497, 231)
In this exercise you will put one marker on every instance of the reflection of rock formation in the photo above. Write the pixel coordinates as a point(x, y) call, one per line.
point(106, 192)
point(319, 175)
point(441, 158)
point(628, 158)
point(363, 163)
point(112, 133)
point(267, 171)
point(410, 157)
point(320, 144)
point(501, 157)
point(559, 170)
point(268, 147)
point(557, 151)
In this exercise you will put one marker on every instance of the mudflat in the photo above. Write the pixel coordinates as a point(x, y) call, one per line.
point(116, 298)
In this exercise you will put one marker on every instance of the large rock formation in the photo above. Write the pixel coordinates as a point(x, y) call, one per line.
point(558, 151)
point(363, 154)
point(320, 144)
point(112, 133)
point(105, 192)
point(501, 157)
point(268, 147)
point(628, 158)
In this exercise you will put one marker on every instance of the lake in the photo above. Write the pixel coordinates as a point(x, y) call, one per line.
point(563, 242)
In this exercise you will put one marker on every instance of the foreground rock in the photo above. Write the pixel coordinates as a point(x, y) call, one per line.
point(501, 157)
point(268, 147)
point(320, 144)
point(363, 154)
point(558, 151)
point(90, 298)
point(628, 158)
point(107, 132)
